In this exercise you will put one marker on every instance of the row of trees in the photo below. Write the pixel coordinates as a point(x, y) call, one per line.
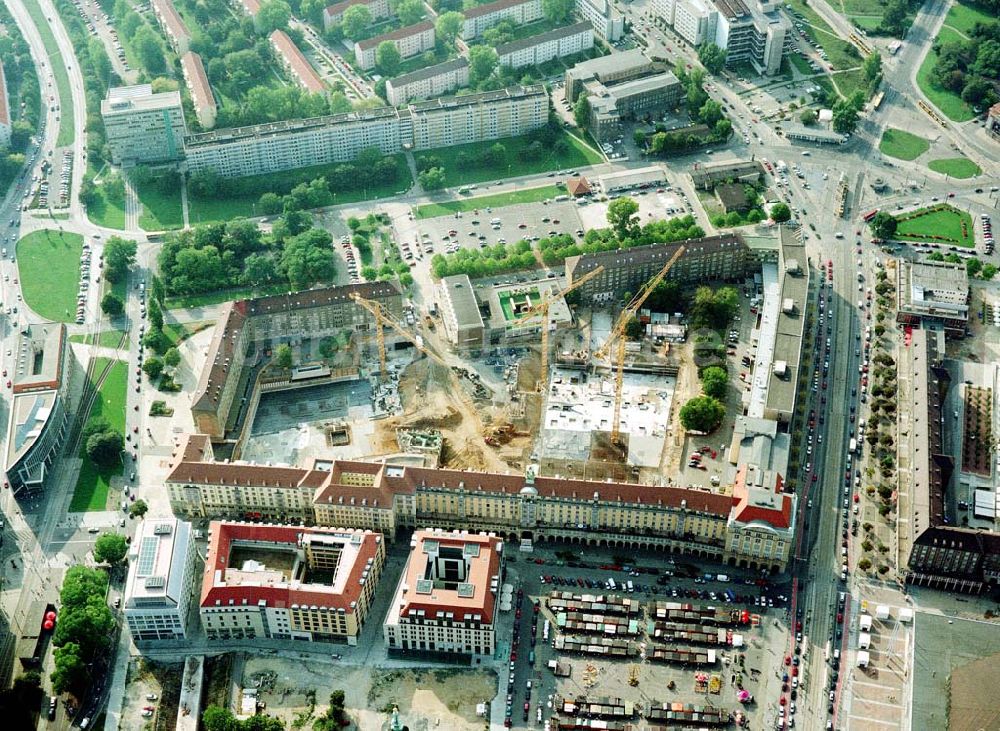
point(84, 629)
point(486, 262)
point(970, 67)
point(23, 96)
point(625, 232)
point(973, 266)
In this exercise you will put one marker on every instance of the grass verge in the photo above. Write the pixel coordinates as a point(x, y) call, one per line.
point(221, 295)
point(950, 103)
point(177, 332)
point(93, 484)
point(529, 195)
point(902, 145)
point(58, 63)
point(160, 211)
point(956, 167)
point(49, 265)
point(963, 17)
point(577, 154)
point(105, 338)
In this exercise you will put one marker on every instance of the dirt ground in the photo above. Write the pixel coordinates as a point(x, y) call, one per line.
point(163, 679)
point(971, 706)
point(442, 699)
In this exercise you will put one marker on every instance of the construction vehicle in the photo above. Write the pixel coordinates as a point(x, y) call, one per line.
point(633, 675)
point(383, 319)
point(541, 311)
point(617, 338)
point(502, 433)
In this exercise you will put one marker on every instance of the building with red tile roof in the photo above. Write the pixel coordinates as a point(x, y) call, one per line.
point(202, 98)
point(761, 523)
point(447, 596)
point(296, 64)
point(288, 582)
point(172, 25)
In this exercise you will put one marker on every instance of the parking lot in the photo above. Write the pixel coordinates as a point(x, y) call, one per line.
point(757, 666)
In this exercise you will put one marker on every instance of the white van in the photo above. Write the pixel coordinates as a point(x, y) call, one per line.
point(612, 585)
point(630, 588)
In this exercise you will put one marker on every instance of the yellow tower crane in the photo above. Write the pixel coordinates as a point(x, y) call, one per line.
point(541, 310)
point(617, 338)
point(382, 318)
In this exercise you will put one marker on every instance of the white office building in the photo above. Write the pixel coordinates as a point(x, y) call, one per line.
point(161, 577)
point(143, 127)
point(608, 23)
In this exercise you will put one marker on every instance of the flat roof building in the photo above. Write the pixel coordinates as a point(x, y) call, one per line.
point(39, 416)
point(428, 82)
point(786, 353)
point(448, 595)
point(815, 134)
point(647, 177)
point(707, 175)
point(463, 323)
point(161, 576)
point(202, 98)
point(5, 118)
point(481, 17)
point(633, 99)
point(542, 48)
point(933, 292)
point(295, 63)
point(142, 127)
point(607, 22)
point(289, 582)
point(410, 41)
point(614, 68)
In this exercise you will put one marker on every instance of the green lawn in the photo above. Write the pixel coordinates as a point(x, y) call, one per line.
point(529, 195)
point(177, 333)
point(222, 295)
point(92, 484)
point(945, 223)
point(841, 54)
point(49, 265)
point(105, 338)
point(160, 211)
point(903, 145)
point(204, 211)
point(801, 64)
point(950, 103)
point(956, 167)
point(66, 134)
point(105, 212)
point(850, 81)
point(578, 154)
point(964, 17)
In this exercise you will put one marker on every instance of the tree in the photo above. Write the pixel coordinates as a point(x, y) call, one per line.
point(387, 58)
point(105, 449)
point(172, 358)
point(155, 313)
point(356, 21)
point(138, 509)
point(448, 26)
point(153, 367)
point(110, 548)
point(864, 564)
point(872, 70)
point(714, 308)
point(432, 179)
point(845, 116)
point(118, 256)
point(308, 258)
point(70, 672)
point(714, 382)
point(270, 204)
point(283, 356)
point(482, 62)
point(894, 18)
point(883, 225)
point(409, 11)
point(149, 49)
point(581, 112)
point(558, 10)
point(259, 269)
point(780, 212)
point(622, 217)
point(273, 15)
point(712, 57)
point(634, 329)
point(702, 414)
point(973, 266)
point(710, 112)
point(79, 584)
point(112, 305)
point(808, 117)
point(215, 718)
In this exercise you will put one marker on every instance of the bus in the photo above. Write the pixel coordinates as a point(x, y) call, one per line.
point(877, 101)
point(869, 216)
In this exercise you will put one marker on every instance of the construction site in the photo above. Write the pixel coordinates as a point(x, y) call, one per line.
point(566, 390)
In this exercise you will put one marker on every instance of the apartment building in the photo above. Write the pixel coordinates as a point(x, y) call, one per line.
point(202, 98)
point(39, 418)
point(288, 582)
point(693, 20)
point(5, 117)
point(613, 69)
point(388, 497)
point(409, 41)
point(721, 257)
point(142, 127)
point(295, 63)
point(172, 25)
point(334, 14)
point(607, 22)
point(481, 17)
point(489, 115)
point(463, 323)
point(934, 292)
point(162, 570)
point(538, 49)
point(428, 82)
point(245, 327)
point(447, 598)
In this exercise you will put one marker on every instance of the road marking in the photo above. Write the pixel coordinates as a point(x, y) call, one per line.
point(866, 719)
